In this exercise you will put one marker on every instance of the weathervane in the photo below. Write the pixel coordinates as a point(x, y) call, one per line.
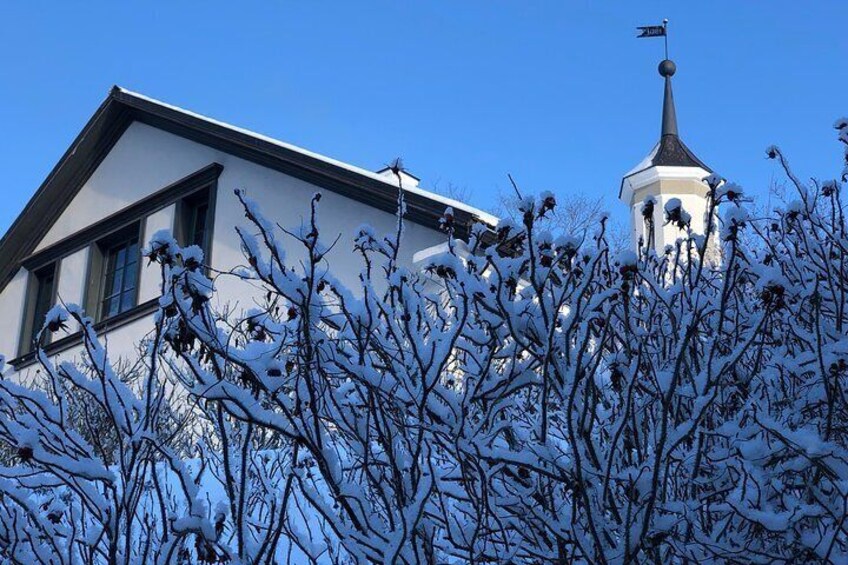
point(656, 31)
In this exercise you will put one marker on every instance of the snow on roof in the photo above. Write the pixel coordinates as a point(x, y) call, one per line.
point(644, 163)
point(483, 216)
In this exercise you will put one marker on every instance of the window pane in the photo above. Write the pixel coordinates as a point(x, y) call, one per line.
point(120, 257)
point(109, 276)
point(117, 281)
point(127, 300)
point(130, 274)
point(198, 236)
point(110, 306)
point(132, 252)
point(43, 301)
point(195, 222)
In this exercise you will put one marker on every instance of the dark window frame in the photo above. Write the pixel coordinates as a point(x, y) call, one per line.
point(99, 255)
point(185, 220)
point(31, 325)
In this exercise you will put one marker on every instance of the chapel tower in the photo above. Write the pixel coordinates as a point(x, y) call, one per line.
point(670, 171)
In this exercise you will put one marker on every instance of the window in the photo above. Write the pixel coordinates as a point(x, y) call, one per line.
point(194, 222)
point(120, 278)
point(41, 295)
point(114, 273)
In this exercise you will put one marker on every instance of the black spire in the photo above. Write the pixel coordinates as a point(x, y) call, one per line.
point(669, 116)
point(672, 151)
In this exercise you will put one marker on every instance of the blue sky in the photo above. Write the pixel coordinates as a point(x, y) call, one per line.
point(560, 94)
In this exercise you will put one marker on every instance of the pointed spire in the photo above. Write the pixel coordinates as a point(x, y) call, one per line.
point(670, 151)
point(669, 117)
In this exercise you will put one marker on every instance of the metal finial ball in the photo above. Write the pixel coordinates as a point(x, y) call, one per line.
point(667, 68)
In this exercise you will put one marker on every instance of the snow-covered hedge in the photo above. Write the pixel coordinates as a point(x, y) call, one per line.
point(522, 399)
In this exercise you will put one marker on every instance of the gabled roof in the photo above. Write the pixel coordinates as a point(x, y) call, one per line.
point(122, 107)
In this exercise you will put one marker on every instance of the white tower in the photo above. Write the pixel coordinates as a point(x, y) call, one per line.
point(670, 173)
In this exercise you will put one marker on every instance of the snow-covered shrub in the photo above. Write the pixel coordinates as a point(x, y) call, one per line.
point(75, 494)
point(519, 399)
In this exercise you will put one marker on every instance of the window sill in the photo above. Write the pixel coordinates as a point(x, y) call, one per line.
point(102, 327)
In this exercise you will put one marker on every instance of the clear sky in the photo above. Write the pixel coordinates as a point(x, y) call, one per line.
point(560, 94)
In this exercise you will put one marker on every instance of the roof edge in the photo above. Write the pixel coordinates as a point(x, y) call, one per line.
point(135, 98)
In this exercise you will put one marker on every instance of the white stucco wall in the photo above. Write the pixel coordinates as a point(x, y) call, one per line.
point(664, 184)
point(668, 234)
point(120, 343)
point(72, 271)
point(144, 161)
point(147, 159)
point(12, 306)
point(72, 282)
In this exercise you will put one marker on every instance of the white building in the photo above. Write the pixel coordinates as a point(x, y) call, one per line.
point(140, 166)
point(670, 171)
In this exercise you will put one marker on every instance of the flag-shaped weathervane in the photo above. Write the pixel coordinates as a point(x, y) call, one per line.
point(656, 31)
point(651, 31)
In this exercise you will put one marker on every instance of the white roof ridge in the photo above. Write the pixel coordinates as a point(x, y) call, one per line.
point(484, 216)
